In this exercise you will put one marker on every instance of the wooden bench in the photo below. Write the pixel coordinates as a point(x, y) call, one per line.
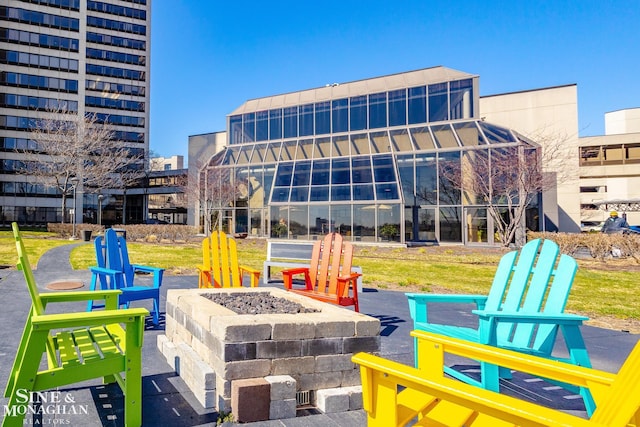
point(292, 254)
point(427, 395)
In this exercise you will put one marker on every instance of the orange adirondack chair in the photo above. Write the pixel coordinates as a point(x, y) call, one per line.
point(220, 268)
point(329, 277)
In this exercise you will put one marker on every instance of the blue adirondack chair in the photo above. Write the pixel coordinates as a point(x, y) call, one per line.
point(114, 271)
point(523, 311)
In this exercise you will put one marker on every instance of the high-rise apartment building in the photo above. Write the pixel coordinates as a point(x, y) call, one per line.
point(93, 57)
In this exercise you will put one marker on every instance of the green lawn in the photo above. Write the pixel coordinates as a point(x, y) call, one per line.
point(610, 292)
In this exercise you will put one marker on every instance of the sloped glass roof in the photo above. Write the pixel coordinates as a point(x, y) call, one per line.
point(424, 138)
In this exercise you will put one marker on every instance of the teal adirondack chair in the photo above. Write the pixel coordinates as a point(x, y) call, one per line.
point(523, 312)
point(75, 346)
point(114, 271)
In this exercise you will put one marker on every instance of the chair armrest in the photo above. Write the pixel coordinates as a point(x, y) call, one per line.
point(433, 346)
point(293, 271)
point(287, 276)
point(537, 318)
point(103, 270)
point(350, 277)
point(79, 295)
point(92, 318)
point(454, 298)
point(343, 285)
point(418, 303)
point(146, 268)
point(381, 377)
point(255, 274)
point(156, 271)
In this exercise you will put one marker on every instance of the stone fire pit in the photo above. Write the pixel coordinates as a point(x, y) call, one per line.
point(304, 356)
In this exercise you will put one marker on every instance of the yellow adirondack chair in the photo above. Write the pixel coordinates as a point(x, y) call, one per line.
point(220, 268)
point(434, 399)
point(78, 346)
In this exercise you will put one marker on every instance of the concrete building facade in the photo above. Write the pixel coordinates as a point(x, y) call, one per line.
point(88, 56)
point(610, 169)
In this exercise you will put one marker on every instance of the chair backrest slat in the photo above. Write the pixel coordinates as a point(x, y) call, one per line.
point(536, 291)
point(539, 280)
point(25, 266)
point(331, 257)
point(220, 256)
point(37, 307)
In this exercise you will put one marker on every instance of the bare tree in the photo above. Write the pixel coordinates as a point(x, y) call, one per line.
point(506, 180)
point(68, 146)
point(213, 188)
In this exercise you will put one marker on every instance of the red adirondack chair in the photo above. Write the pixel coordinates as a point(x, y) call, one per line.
point(329, 277)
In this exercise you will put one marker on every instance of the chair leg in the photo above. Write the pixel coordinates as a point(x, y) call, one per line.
point(92, 287)
point(156, 311)
point(26, 372)
point(133, 376)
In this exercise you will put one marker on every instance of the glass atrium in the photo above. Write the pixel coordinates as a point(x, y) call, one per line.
point(365, 165)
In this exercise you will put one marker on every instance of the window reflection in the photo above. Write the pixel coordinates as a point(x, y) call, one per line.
point(450, 224)
point(461, 99)
point(398, 107)
point(438, 105)
point(340, 115)
point(417, 105)
point(275, 124)
point(358, 113)
point(377, 110)
point(449, 165)
point(340, 171)
point(361, 170)
point(306, 120)
point(341, 220)
point(321, 172)
point(323, 118)
point(318, 220)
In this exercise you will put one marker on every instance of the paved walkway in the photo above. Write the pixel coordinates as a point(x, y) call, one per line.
point(168, 402)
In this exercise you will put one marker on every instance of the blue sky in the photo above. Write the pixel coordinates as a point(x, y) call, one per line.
point(208, 57)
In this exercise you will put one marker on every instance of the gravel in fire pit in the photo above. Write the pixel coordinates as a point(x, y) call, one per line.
point(257, 303)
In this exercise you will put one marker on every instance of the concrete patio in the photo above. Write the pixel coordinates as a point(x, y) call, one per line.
point(167, 400)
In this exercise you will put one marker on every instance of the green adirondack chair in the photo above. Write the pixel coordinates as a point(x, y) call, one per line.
point(523, 312)
point(77, 346)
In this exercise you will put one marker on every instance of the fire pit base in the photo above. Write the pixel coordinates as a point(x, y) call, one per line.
point(211, 346)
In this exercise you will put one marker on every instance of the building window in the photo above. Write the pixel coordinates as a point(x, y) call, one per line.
point(323, 118)
point(398, 107)
point(438, 105)
point(377, 110)
point(262, 125)
point(275, 124)
point(340, 115)
point(305, 115)
point(461, 99)
point(291, 122)
point(248, 127)
point(358, 113)
point(417, 105)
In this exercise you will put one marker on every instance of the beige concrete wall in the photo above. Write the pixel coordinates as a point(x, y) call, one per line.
point(201, 149)
point(622, 121)
point(548, 116)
